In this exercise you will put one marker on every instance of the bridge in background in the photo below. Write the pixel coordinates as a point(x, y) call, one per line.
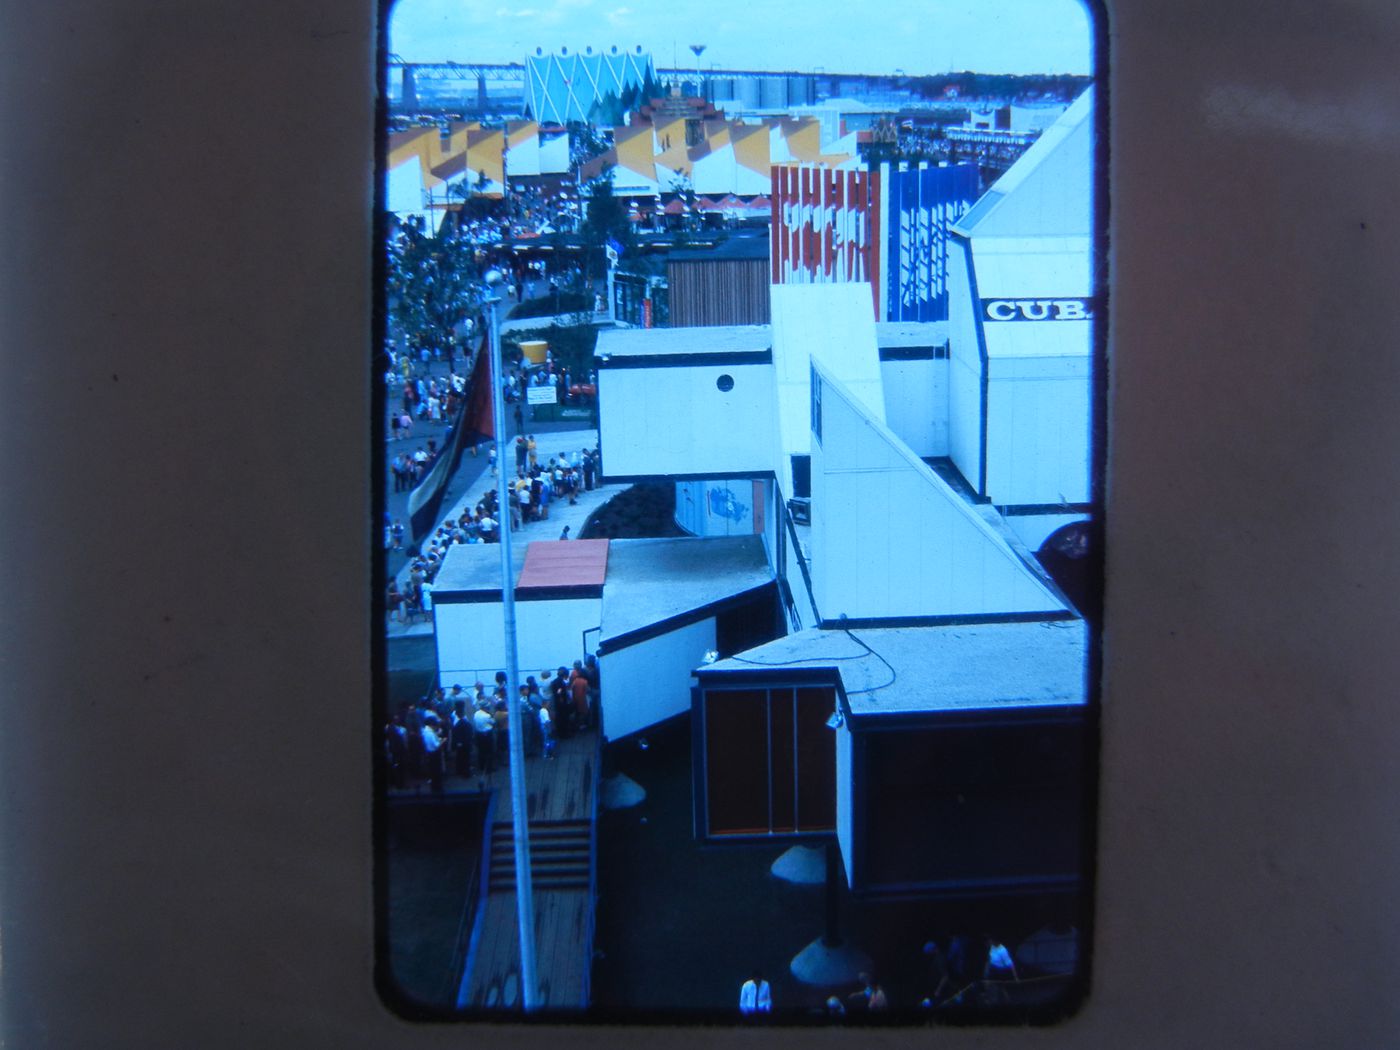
point(509, 79)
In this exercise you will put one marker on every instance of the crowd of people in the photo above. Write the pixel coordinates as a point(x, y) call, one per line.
point(414, 599)
point(532, 212)
point(535, 487)
point(963, 971)
point(424, 397)
point(418, 397)
point(462, 733)
point(525, 213)
point(569, 388)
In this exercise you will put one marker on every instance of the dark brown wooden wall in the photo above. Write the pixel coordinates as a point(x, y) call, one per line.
point(719, 292)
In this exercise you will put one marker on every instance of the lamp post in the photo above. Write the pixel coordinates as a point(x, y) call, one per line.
point(524, 893)
point(699, 50)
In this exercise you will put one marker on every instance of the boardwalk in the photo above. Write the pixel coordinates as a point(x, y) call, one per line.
point(562, 799)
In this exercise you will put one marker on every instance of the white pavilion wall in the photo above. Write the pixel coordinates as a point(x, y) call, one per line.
point(648, 682)
point(677, 421)
point(964, 366)
point(890, 539)
point(916, 403)
point(1038, 431)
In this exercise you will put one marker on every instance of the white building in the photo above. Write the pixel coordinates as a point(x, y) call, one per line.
point(1020, 315)
point(867, 647)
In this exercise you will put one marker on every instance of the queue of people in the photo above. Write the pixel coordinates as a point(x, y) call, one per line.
point(414, 599)
point(464, 733)
point(536, 487)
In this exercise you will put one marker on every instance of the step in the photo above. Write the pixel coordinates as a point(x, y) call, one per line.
point(553, 871)
point(571, 830)
point(506, 865)
point(552, 842)
point(564, 879)
point(548, 847)
point(553, 883)
point(507, 856)
point(577, 885)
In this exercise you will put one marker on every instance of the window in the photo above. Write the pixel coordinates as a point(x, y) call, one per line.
point(770, 763)
point(802, 477)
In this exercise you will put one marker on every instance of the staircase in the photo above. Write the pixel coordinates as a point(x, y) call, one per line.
point(560, 855)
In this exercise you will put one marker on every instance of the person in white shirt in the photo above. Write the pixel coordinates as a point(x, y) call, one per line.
point(484, 726)
point(546, 730)
point(755, 996)
point(432, 755)
point(999, 961)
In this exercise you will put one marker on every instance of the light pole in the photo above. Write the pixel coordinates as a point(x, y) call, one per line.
point(699, 50)
point(524, 892)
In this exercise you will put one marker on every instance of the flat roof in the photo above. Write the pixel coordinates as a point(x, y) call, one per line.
point(651, 581)
point(727, 250)
point(911, 333)
point(661, 342)
point(556, 565)
point(944, 667)
point(474, 569)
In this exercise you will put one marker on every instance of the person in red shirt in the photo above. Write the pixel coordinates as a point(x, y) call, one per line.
point(578, 688)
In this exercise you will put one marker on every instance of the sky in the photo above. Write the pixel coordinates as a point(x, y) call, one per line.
point(872, 36)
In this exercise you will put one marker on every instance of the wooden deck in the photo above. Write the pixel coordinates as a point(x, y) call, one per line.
point(563, 952)
point(562, 800)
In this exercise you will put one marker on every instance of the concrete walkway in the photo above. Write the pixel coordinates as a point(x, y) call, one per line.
point(560, 512)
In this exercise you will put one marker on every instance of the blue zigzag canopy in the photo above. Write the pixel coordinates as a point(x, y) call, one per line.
point(561, 88)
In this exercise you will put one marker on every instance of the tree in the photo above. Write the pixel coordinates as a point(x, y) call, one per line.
point(607, 111)
point(432, 281)
point(684, 189)
point(651, 88)
point(606, 216)
point(585, 142)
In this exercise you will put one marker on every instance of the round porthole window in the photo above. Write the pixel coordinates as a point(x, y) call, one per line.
point(725, 383)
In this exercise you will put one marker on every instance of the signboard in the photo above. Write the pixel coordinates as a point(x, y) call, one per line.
point(1068, 309)
point(821, 225)
point(542, 395)
point(892, 231)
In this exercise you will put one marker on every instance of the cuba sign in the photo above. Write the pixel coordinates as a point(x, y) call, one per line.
point(1037, 309)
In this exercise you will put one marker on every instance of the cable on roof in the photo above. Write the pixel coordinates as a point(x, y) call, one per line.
point(799, 660)
point(894, 675)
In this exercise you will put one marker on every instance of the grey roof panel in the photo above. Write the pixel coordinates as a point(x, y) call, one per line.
point(948, 667)
point(651, 581)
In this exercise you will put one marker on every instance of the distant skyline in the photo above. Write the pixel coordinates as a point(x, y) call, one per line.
point(917, 37)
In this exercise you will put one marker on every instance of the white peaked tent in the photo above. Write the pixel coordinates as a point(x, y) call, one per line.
point(1021, 316)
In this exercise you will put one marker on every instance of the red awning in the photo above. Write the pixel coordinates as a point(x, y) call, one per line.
point(575, 565)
